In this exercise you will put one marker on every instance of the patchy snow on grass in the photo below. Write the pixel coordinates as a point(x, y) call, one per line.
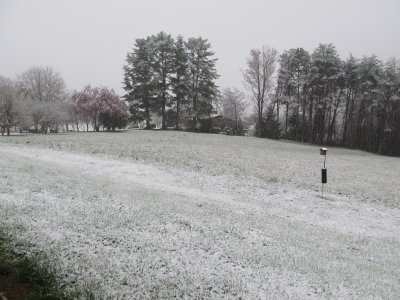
point(350, 172)
point(170, 214)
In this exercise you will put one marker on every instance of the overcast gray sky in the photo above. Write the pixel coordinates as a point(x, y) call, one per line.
point(87, 41)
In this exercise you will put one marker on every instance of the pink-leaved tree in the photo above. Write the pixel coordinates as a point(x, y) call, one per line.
point(100, 106)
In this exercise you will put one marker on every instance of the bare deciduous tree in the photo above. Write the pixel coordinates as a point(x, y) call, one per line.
point(258, 79)
point(233, 104)
point(41, 85)
point(8, 105)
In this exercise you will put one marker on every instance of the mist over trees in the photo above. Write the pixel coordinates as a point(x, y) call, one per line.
point(322, 99)
point(9, 105)
point(352, 103)
point(312, 97)
point(258, 79)
point(43, 92)
point(232, 105)
point(174, 79)
point(37, 101)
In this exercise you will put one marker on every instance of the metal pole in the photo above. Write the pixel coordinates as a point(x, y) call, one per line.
point(323, 171)
point(322, 191)
point(322, 183)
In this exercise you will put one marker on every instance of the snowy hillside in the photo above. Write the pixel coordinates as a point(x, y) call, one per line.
point(169, 214)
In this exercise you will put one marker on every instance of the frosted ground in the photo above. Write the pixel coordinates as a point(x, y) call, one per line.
point(171, 214)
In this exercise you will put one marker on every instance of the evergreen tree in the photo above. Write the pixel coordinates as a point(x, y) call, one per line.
point(202, 72)
point(292, 81)
point(325, 74)
point(355, 103)
point(388, 140)
point(180, 80)
point(352, 81)
point(138, 81)
point(162, 60)
point(370, 72)
point(160, 73)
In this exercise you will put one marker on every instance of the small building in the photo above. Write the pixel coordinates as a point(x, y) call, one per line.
point(221, 124)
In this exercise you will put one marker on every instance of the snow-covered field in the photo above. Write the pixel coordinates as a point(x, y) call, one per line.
point(170, 214)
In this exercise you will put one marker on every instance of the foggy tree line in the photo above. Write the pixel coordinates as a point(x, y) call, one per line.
point(326, 100)
point(37, 101)
point(232, 104)
point(172, 78)
point(310, 97)
point(34, 101)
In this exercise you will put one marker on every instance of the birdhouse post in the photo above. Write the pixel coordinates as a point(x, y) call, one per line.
point(324, 173)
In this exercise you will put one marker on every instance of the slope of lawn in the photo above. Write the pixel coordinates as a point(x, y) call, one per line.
point(150, 214)
point(351, 172)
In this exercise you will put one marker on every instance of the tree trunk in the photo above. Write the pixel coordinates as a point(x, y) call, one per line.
point(163, 126)
point(259, 124)
point(346, 119)
point(147, 117)
point(359, 136)
point(177, 115)
point(310, 119)
point(164, 100)
point(333, 121)
point(286, 119)
point(303, 122)
point(277, 110)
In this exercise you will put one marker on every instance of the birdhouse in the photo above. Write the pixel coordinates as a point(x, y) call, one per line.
point(324, 176)
point(323, 151)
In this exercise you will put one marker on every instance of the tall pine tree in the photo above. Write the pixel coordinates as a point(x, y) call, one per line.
point(202, 72)
point(138, 81)
point(180, 80)
point(162, 61)
point(161, 73)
